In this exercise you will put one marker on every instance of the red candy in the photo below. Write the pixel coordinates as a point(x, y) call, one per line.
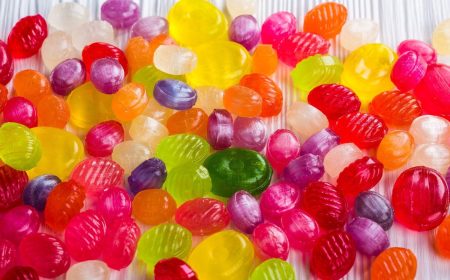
point(27, 36)
point(325, 203)
point(203, 216)
point(300, 228)
point(420, 198)
point(3, 96)
point(44, 253)
point(8, 255)
point(174, 269)
point(6, 64)
point(21, 273)
point(365, 130)
point(20, 110)
point(333, 255)
point(103, 137)
point(12, 184)
point(270, 241)
point(334, 100)
point(101, 50)
point(361, 175)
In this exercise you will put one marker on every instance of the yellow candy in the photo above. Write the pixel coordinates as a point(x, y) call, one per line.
point(226, 255)
point(367, 70)
point(192, 22)
point(61, 151)
point(220, 64)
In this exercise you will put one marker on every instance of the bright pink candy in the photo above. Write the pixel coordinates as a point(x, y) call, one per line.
point(6, 64)
point(45, 253)
point(12, 183)
point(120, 243)
point(114, 203)
point(277, 199)
point(84, 235)
point(20, 110)
point(421, 48)
point(277, 26)
point(19, 222)
point(8, 255)
point(270, 241)
point(103, 137)
point(282, 147)
point(408, 71)
point(97, 174)
point(301, 229)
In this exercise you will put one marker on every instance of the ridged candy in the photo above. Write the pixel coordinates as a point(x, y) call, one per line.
point(369, 237)
point(244, 211)
point(129, 102)
point(8, 255)
point(107, 75)
point(150, 174)
point(209, 98)
point(18, 222)
point(174, 94)
point(408, 70)
point(21, 273)
point(320, 143)
point(103, 137)
point(421, 48)
point(20, 110)
point(6, 64)
point(265, 60)
point(273, 269)
point(99, 50)
point(340, 157)
point(113, 203)
point(361, 175)
point(27, 35)
point(376, 207)
point(192, 121)
point(394, 263)
point(301, 229)
point(220, 129)
point(242, 101)
point(270, 241)
point(278, 26)
point(147, 131)
point(12, 184)
point(282, 147)
point(149, 76)
point(153, 206)
point(174, 268)
point(277, 199)
point(37, 190)
point(305, 119)
point(250, 133)
point(139, 54)
point(325, 19)
point(303, 170)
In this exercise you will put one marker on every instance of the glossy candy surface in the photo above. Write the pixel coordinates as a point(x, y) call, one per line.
point(192, 121)
point(395, 149)
point(129, 154)
point(20, 110)
point(236, 8)
point(320, 143)
point(8, 254)
point(53, 111)
point(6, 64)
point(67, 16)
point(209, 98)
point(56, 48)
point(113, 203)
point(174, 268)
point(361, 175)
point(299, 46)
point(12, 184)
point(153, 206)
point(27, 35)
point(282, 147)
point(19, 222)
point(408, 70)
point(270, 241)
point(265, 60)
point(99, 50)
point(147, 131)
point(150, 27)
point(278, 199)
point(303, 170)
point(244, 30)
point(430, 129)
point(94, 270)
point(107, 75)
point(441, 38)
point(220, 129)
point(394, 263)
point(149, 76)
point(92, 32)
point(138, 54)
point(32, 85)
point(278, 26)
point(305, 119)
point(3, 96)
point(103, 137)
point(273, 269)
point(150, 174)
point(358, 32)
point(37, 190)
point(242, 101)
point(325, 19)
point(340, 157)
point(121, 14)
point(301, 229)
point(369, 237)
point(376, 207)
point(250, 133)
point(174, 60)
point(174, 94)
point(435, 156)
point(129, 102)
point(442, 240)
point(67, 75)
point(244, 211)
point(423, 49)
point(21, 273)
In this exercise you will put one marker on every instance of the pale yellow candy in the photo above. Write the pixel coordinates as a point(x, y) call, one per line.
point(305, 119)
point(129, 154)
point(358, 32)
point(430, 129)
point(209, 98)
point(441, 38)
point(92, 270)
point(238, 7)
point(157, 111)
point(56, 48)
point(340, 157)
point(91, 32)
point(67, 16)
point(147, 131)
point(174, 60)
point(435, 156)
point(61, 151)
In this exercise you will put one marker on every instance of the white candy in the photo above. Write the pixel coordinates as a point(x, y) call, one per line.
point(56, 48)
point(356, 33)
point(91, 32)
point(174, 60)
point(67, 16)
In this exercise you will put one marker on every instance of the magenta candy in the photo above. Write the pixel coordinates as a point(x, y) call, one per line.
point(270, 241)
point(103, 137)
point(320, 143)
point(107, 75)
point(277, 199)
point(304, 170)
point(220, 129)
point(120, 13)
point(21, 273)
point(369, 237)
point(19, 222)
point(250, 133)
point(244, 211)
point(447, 177)
point(408, 71)
point(277, 26)
point(150, 27)
point(114, 203)
point(12, 183)
point(244, 30)
point(6, 64)
point(20, 110)
point(84, 235)
point(282, 147)
point(120, 243)
point(8, 255)
point(67, 75)
point(421, 48)
point(301, 229)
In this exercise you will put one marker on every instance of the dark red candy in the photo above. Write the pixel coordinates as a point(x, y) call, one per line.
point(326, 203)
point(361, 175)
point(333, 255)
point(365, 130)
point(8, 255)
point(334, 100)
point(99, 50)
point(6, 64)
point(174, 269)
point(27, 35)
point(12, 184)
point(21, 273)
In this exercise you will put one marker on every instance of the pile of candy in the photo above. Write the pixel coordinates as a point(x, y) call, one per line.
point(122, 153)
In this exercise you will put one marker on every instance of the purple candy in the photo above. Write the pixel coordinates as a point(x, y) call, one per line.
point(107, 75)
point(37, 190)
point(320, 143)
point(220, 129)
point(374, 206)
point(174, 94)
point(370, 239)
point(19, 222)
point(421, 48)
point(150, 27)
point(67, 75)
point(250, 133)
point(150, 174)
point(244, 30)
point(244, 211)
point(120, 13)
point(304, 170)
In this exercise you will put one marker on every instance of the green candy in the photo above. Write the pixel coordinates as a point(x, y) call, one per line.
point(148, 76)
point(232, 170)
point(273, 269)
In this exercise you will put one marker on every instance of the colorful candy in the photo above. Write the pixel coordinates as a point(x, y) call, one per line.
point(301, 45)
point(32, 85)
point(20, 110)
point(18, 222)
point(282, 147)
point(273, 269)
point(395, 149)
point(244, 30)
point(92, 32)
point(303, 170)
point(113, 204)
point(67, 75)
point(270, 241)
point(305, 119)
point(369, 237)
point(67, 16)
point(107, 75)
point(103, 137)
point(430, 129)
point(53, 111)
point(149, 27)
point(220, 129)
point(57, 47)
point(209, 98)
point(421, 48)
point(361, 175)
point(129, 154)
point(244, 211)
point(98, 50)
point(153, 206)
point(236, 8)
point(6, 64)
point(408, 70)
point(129, 102)
point(279, 198)
point(8, 255)
point(325, 19)
point(174, 94)
point(242, 101)
point(12, 183)
point(441, 239)
point(150, 174)
point(436, 156)
point(278, 26)
point(192, 121)
point(95, 270)
point(149, 76)
point(37, 190)
point(250, 133)
point(174, 268)
point(441, 38)
point(300, 228)
point(358, 32)
point(121, 14)
point(394, 263)
point(21, 272)
point(265, 60)
point(320, 143)
point(27, 35)
point(174, 60)
point(340, 157)
point(376, 207)
point(147, 130)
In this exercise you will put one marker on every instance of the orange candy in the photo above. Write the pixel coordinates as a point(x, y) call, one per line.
point(153, 206)
point(53, 111)
point(265, 60)
point(242, 101)
point(3, 96)
point(442, 238)
point(394, 263)
point(129, 102)
point(32, 85)
point(193, 121)
point(325, 19)
point(395, 149)
point(138, 54)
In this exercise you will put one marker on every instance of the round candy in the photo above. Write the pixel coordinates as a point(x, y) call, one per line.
point(232, 170)
point(325, 19)
point(67, 16)
point(129, 102)
point(20, 110)
point(374, 206)
point(92, 32)
point(242, 101)
point(220, 129)
point(394, 263)
point(441, 239)
point(299, 46)
point(6, 64)
point(27, 35)
point(107, 75)
point(19, 222)
point(121, 14)
point(148, 131)
point(102, 138)
point(32, 85)
point(430, 129)
point(150, 174)
point(67, 75)
point(192, 121)
point(98, 50)
point(436, 156)
point(340, 157)
point(408, 70)
point(209, 98)
point(173, 268)
point(236, 8)
point(21, 273)
point(265, 60)
point(8, 255)
point(273, 269)
point(250, 133)
point(282, 147)
point(244, 30)
point(361, 175)
point(441, 38)
point(270, 241)
point(174, 60)
point(94, 270)
point(12, 184)
point(57, 47)
point(278, 26)
point(153, 206)
point(370, 238)
point(305, 119)
point(421, 48)
point(129, 154)
point(301, 229)
point(358, 32)
point(114, 203)
point(150, 27)
point(149, 76)
point(138, 54)
point(37, 190)
point(53, 111)
point(174, 94)
point(278, 199)
point(244, 211)
point(320, 143)
point(303, 170)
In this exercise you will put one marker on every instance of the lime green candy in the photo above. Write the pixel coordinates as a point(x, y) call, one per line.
point(232, 170)
point(162, 242)
point(187, 182)
point(148, 76)
point(19, 146)
point(273, 269)
point(181, 149)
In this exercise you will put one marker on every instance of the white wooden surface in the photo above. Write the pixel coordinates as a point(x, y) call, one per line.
point(398, 19)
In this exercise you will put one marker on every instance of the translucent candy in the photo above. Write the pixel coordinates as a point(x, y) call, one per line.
point(421, 48)
point(67, 75)
point(244, 30)
point(236, 8)
point(299, 46)
point(67, 16)
point(150, 174)
point(21, 272)
point(174, 94)
point(441, 37)
point(56, 48)
point(12, 183)
point(408, 70)
point(436, 156)
point(219, 63)
point(6, 64)
point(278, 26)
point(244, 211)
point(273, 269)
point(430, 129)
point(250, 133)
point(91, 32)
point(282, 147)
point(395, 149)
point(303, 170)
point(37, 190)
point(61, 151)
point(150, 27)
point(441, 239)
point(32, 85)
point(9, 255)
point(174, 268)
point(107, 75)
point(147, 131)
point(320, 143)
point(195, 22)
point(305, 119)
point(340, 157)
point(129, 154)
point(153, 206)
point(157, 111)
point(192, 121)
point(325, 19)
point(121, 14)
point(270, 242)
point(361, 175)
point(19, 222)
point(114, 203)
point(3, 97)
point(94, 270)
point(27, 35)
point(20, 110)
point(370, 238)
point(265, 60)
point(301, 229)
point(174, 60)
point(358, 32)
point(242, 101)
point(394, 263)
point(138, 54)
point(278, 199)
point(209, 98)
point(374, 206)
point(148, 76)
point(220, 129)
point(102, 138)
point(99, 50)
point(129, 102)
point(233, 262)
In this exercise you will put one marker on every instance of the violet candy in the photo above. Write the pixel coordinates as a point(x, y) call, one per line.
point(374, 206)
point(304, 170)
point(120, 13)
point(150, 27)
point(67, 75)
point(174, 94)
point(250, 133)
point(150, 174)
point(244, 211)
point(320, 143)
point(369, 237)
point(244, 30)
point(220, 129)
point(283, 146)
point(37, 190)
point(107, 75)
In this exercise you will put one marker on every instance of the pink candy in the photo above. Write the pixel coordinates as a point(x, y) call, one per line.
point(20, 110)
point(270, 241)
point(19, 222)
point(408, 71)
point(277, 26)
point(8, 255)
point(419, 47)
point(103, 137)
point(301, 229)
point(282, 147)
point(114, 203)
point(277, 199)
